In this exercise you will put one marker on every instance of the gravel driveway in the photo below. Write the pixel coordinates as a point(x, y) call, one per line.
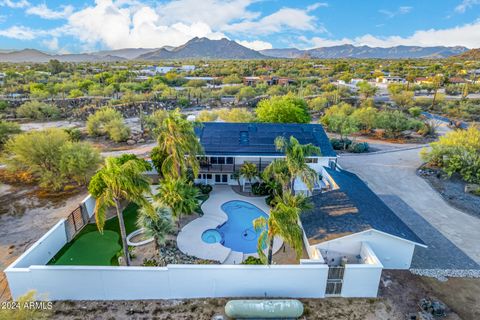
point(392, 176)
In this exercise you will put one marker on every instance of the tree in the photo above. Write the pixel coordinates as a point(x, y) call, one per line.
point(108, 121)
point(246, 93)
point(404, 99)
point(50, 157)
point(394, 122)
point(157, 227)
point(236, 115)
point(283, 109)
point(295, 160)
point(178, 141)
point(180, 196)
point(117, 130)
point(248, 171)
point(207, 116)
point(366, 90)
point(282, 222)
point(365, 118)
point(437, 81)
point(115, 182)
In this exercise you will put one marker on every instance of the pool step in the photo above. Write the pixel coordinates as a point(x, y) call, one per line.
point(234, 257)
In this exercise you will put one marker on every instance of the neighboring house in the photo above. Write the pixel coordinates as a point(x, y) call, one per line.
point(423, 80)
point(2, 78)
point(270, 81)
point(251, 81)
point(228, 145)
point(350, 215)
point(390, 79)
point(188, 68)
point(163, 70)
point(456, 80)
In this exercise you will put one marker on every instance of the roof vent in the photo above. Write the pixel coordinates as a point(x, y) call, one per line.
point(244, 138)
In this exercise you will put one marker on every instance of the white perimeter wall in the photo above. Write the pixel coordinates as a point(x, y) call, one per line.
point(362, 279)
point(393, 252)
point(172, 282)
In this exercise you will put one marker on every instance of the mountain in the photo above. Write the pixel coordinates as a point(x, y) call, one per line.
point(127, 53)
point(36, 56)
point(203, 48)
point(366, 52)
point(473, 54)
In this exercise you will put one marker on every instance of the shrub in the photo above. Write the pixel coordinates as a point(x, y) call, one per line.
point(415, 111)
point(260, 189)
point(117, 130)
point(7, 129)
point(340, 144)
point(204, 188)
point(252, 260)
point(37, 110)
point(358, 147)
point(110, 122)
point(74, 133)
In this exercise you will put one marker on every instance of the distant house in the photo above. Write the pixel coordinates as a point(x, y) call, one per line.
point(164, 70)
point(350, 215)
point(456, 80)
point(269, 80)
point(390, 79)
point(188, 68)
point(251, 81)
point(423, 80)
point(2, 78)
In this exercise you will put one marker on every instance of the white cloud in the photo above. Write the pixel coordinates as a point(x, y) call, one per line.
point(256, 44)
point(316, 5)
point(466, 4)
point(465, 35)
point(392, 14)
point(285, 18)
point(44, 12)
point(51, 44)
point(19, 32)
point(14, 4)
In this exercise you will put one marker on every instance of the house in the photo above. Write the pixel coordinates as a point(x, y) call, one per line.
point(164, 70)
point(227, 146)
point(350, 215)
point(188, 68)
point(251, 81)
point(2, 78)
point(423, 80)
point(271, 81)
point(456, 80)
point(390, 79)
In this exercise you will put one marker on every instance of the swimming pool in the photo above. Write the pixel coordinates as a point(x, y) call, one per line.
point(237, 233)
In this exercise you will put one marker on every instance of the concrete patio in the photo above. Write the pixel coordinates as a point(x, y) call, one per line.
point(190, 242)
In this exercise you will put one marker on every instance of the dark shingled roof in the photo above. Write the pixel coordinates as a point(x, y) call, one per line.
point(222, 138)
point(351, 209)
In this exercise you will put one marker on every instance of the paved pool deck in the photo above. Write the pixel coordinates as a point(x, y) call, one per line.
point(190, 242)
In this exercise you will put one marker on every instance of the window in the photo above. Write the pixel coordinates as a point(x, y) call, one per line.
point(209, 176)
point(311, 160)
point(213, 160)
point(229, 160)
point(221, 160)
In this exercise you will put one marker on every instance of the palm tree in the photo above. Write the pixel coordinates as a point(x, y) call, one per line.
point(180, 196)
point(282, 222)
point(299, 201)
point(249, 171)
point(120, 179)
point(177, 140)
point(295, 155)
point(278, 171)
point(157, 228)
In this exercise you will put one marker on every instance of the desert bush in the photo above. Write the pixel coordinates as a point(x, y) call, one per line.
point(7, 129)
point(110, 122)
point(358, 147)
point(37, 110)
point(252, 260)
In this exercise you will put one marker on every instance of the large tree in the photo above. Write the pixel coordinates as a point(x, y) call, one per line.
point(283, 109)
point(120, 179)
point(178, 142)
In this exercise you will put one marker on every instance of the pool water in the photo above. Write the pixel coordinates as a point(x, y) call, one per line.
point(237, 233)
point(211, 236)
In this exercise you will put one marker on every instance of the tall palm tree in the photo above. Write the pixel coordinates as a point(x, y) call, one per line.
point(278, 171)
point(295, 160)
point(249, 171)
point(180, 196)
point(282, 222)
point(177, 140)
point(157, 228)
point(120, 179)
point(299, 201)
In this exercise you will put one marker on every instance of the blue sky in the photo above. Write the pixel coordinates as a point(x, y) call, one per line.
point(88, 25)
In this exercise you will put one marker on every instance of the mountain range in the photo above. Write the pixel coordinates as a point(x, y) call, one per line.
point(203, 48)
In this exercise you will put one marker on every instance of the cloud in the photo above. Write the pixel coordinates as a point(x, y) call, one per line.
point(285, 18)
point(392, 14)
point(256, 44)
point(51, 44)
point(19, 33)
point(316, 5)
point(465, 35)
point(466, 4)
point(14, 4)
point(44, 12)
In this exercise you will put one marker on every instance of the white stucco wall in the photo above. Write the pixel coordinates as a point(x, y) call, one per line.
point(393, 252)
point(172, 282)
point(362, 279)
point(89, 203)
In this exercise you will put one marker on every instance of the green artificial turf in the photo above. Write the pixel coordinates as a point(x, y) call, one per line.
point(90, 247)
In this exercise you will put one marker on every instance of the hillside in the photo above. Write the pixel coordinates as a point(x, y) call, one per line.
point(32, 55)
point(473, 54)
point(366, 52)
point(203, 48)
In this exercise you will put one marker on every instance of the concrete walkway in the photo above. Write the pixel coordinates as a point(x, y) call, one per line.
point(393, 176)
point(190, 242)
